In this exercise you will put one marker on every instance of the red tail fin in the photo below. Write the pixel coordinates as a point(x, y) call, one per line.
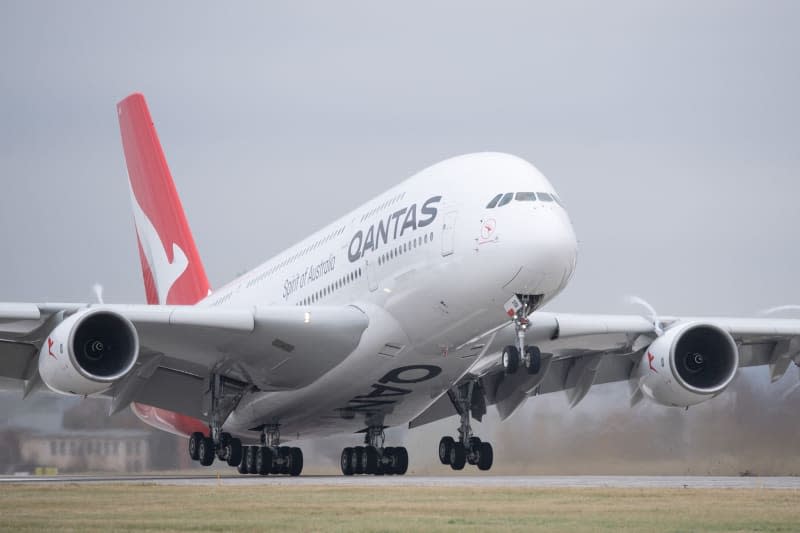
point(173, 272)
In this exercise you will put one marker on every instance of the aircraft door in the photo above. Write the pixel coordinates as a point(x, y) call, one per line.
point(372, 276)
point(449, 233)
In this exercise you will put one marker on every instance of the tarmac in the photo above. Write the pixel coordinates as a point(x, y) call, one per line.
point(489, 481)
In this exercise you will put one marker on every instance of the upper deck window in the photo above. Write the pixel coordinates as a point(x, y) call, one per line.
point(494, 201)
point(525, 197)
point(543, 196)
point(506, 198)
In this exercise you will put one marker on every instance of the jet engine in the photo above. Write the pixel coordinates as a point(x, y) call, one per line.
point(88, 352)
point(688, 364)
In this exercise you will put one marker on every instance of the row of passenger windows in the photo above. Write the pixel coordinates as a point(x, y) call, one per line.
point(311, 247)
point(330, 289)
point(405, 247)
point(504, 198)
point(391, 201)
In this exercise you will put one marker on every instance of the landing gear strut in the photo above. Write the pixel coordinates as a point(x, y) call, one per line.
point(468, 448)
point(519, 308)
point(373, 458)
point(223, 395)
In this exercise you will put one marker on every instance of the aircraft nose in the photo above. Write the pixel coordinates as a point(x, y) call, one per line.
point(551, 254)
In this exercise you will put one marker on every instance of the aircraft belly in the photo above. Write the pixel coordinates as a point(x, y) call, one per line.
point(385, 381)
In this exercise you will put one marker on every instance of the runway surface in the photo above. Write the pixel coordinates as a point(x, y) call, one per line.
point(640, 482)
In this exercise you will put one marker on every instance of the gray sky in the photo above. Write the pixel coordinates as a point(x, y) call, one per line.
point(670, 128)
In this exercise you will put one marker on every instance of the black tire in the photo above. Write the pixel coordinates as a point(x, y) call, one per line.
point(250, 459)
point(534, 357)
point(233, 452)
point(295, 461)
point(389, 454)
point(205, 451)
point(458, 457)
point(194, 443)
point(346, 461)
point(485, 456)
point(263, 460)
point(371, 463)
point(284, 452)
point(510, 359)
point(401, 461)
point(474, 443)
point(242, 468)
point(359, 464)
point(445, 445)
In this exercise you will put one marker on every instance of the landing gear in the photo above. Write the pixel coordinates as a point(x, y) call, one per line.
point(468, 448)
point(521, 354)
point(269, 458)
point(373, 458)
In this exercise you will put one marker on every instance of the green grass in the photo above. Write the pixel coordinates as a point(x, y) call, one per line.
point(311, 508)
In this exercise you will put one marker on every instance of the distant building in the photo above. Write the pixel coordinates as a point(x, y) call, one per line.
point(88, 450)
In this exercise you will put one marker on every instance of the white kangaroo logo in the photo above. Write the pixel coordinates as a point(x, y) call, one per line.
point(164, 272)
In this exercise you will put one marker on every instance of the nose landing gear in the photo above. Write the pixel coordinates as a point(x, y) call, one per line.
point(519, 308)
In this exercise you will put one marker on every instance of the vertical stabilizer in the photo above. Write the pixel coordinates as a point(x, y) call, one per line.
point(171, 266)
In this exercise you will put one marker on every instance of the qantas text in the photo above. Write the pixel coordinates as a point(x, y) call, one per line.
point(391, 228)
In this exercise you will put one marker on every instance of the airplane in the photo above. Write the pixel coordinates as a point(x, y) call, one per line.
point(423, 303)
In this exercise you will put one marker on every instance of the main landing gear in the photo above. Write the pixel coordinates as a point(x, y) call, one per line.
point(468, 448)
point(373, 458)
point(270, 458)
point(521, 354)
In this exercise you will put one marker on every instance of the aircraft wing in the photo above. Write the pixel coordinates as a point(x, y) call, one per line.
point(264, 348)
point(579, 351)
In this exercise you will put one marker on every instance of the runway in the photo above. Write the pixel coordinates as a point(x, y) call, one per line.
point(533, 482)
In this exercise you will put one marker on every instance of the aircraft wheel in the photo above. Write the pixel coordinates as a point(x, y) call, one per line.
point(283, 453)
point(205, 451)
point(388, 468)
point(194, 443)
point(510, 359)
point(295, 461)
point(458, 457)
point(233, 452)
point(263, 460)
point(359, 464)
point(250, 459)
point(242, 467)
point(346, 461)
point(485, 456)
point(534, 359)
point(401, 461)
point(445, 445)
point(371, 463)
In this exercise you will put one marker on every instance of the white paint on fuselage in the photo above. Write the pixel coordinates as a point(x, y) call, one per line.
point(439, 286)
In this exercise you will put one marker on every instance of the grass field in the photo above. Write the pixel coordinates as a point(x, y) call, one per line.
point(310, 508)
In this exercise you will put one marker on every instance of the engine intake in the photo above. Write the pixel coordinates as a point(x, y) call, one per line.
point(105, 346)
point(689, 364)
point(88, 352)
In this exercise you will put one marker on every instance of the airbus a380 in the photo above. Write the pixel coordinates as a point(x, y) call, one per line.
point(421, 304)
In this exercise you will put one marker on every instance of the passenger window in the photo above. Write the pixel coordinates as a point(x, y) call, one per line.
point(543, 196)
point(525, 197)
point(494, 201)
point(506, 198)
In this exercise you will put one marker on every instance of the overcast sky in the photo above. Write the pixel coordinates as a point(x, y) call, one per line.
point(671, 129)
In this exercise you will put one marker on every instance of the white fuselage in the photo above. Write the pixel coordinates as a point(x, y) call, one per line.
point(432, 266)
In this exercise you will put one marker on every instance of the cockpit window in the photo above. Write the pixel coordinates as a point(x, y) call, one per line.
point(558, 200)
point(506, 198)
point(494, 201)
point(525, 197)
point(543, 196)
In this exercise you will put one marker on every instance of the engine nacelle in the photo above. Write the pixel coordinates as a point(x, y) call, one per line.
point(88, 352)
point(688, 364)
